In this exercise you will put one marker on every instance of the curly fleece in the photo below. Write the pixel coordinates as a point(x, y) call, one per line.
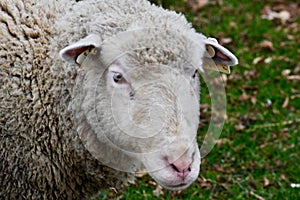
point(41, 156)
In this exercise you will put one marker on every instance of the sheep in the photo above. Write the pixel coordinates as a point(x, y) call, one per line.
point(93, 91)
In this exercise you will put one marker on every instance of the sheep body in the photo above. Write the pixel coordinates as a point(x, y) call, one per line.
point(48, 141)
point(41, 155)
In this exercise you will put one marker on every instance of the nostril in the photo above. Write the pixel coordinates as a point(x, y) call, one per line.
point(182, 165)
point(175, 168)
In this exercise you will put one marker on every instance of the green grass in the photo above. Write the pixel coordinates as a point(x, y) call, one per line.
point(263, 158)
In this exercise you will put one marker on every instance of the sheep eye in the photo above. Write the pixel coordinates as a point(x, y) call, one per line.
point(118, 78)
point(195, 74)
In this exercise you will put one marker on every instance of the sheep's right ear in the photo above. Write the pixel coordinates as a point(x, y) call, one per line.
point(217, 57)
point(77, 52)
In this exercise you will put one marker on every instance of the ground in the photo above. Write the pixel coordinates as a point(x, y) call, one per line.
point(258, 153)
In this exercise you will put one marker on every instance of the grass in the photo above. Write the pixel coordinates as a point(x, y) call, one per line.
point(259, 153)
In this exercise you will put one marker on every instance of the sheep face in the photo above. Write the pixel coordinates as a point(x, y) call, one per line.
point(154, 92)
point(139, 100)
point(141, 96)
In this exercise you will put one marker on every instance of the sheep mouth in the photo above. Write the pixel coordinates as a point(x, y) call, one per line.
point(180, 185)
point(177, 187)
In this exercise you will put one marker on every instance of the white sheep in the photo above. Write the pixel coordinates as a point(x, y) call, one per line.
point(127, 97)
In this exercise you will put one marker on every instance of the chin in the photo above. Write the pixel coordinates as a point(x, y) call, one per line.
point(175, 183)
point(170, 179)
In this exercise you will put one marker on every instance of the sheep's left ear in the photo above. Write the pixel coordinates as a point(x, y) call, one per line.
point(77, 52)
point(217, 57)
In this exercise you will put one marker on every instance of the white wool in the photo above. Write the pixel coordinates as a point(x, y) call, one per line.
point(67, 130)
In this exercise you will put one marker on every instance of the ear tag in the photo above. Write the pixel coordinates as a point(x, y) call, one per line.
point(81, 57)
point(210, 53)
point(223, 68)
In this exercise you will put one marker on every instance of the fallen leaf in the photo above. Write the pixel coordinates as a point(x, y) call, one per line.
point(297, 70)
point(251, 74)
point(197, 4)
point(268, 103)
point(218, 168)
point(176, 194)
point(151, 183)
point(256, 196)
point(244, 96)
point(158, 191)
point(141, 173)
point(263, 145)
point(204, 183)
point(268, 60)
point(253, 98)
point(283, 177)
point(290, 37)
point(286, 72)
point(222, 141)
point(225, 41)
point(266, 45)
point(239, 127)
point(269, 14)
point(286, 102)
point(294, 91)
point(284, 16)
point(266, 181)
point(233, 25)
point(283, 11)
point(294, 77)
point(258, 60)
point(295, 185)
point(295, 96)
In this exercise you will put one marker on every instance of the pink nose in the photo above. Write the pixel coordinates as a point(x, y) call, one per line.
point(182, 167)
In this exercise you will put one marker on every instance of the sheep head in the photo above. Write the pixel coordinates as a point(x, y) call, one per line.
point(137, 101)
